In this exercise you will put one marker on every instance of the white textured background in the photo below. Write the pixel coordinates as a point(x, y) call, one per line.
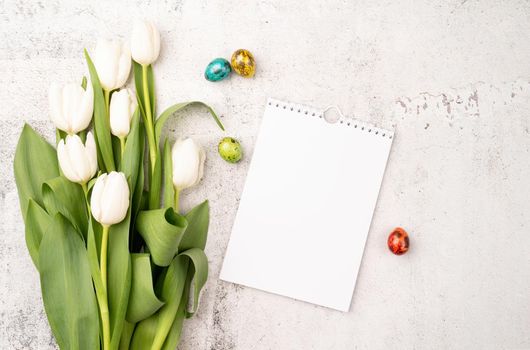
point(453, 78)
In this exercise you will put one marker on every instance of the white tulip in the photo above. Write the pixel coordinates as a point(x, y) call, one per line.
point(188, 163)
point(71, 106)
point(110, 198)
point(145, 42)
point(112, 60)
point(122, 106)
point(78, 162)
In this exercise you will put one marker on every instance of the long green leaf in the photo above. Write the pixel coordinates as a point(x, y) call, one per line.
point(37, 222)
point(101, 120)
point(93, 249)
point(199, 272)
point(197, 230)
point(119, 277)
point(126, 335)
point(159, 124)
point(172, 290)
point(173, 337)
point(162, 230)
point(143, 302)
point(67, 198)
point(66, 285)
point(133, 153)
point(35, 162)
point(169, 190)
point(152, 332)
point(144, 333)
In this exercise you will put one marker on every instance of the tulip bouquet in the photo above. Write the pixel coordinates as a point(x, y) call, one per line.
point(121, 267)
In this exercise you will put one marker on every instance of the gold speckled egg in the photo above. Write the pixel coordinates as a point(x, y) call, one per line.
point(243, 63)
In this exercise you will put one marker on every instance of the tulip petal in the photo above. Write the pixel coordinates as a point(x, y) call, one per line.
point(65, 163)
point(91, 153)
point(95, 199)
point(124, 65)
point(84, 110)
point(56, 106)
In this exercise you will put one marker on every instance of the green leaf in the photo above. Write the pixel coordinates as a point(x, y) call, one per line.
point(133, 153)
point(116, 150)
point(197, 231)
point(35, 162)
point(67, 198)
point(101, 120)
point(173, 337)
point(143, 302)
point(67, 289)
point(126, 336)
point(84, 82)
point(159, 124)
point(37, 222)
point(119, 277)
point(162, 230)
point(199, 272)
point(172, 290)
point(93, 252)
point(59, 135)
point(144, 333)
point(151, 332)
point(169, 190)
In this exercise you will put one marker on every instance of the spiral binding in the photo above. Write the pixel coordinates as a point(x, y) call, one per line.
point(343, 120)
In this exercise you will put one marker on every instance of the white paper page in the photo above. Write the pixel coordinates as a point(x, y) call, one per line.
point(307, 205)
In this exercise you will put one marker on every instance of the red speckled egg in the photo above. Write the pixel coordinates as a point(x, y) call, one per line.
point(398, 241)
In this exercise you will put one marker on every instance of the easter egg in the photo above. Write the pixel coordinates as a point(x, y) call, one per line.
point(398, 241)
point(243, 63)
point(230, 150)
point(217, 70)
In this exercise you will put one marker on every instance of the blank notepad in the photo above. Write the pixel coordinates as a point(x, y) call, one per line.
point(306, 208)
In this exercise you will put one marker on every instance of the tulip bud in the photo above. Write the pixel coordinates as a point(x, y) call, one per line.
point(145, 42)
point(112, 60)
point(188, 163)
point(78, 162)
point(110, 198)
point(71, 106)
point(122, 107)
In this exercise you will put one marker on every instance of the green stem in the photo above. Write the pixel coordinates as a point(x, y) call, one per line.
point(149, 119)
point(103, 256)
point(104, 306)
point(107, 101)
point(105, 321)
point(177, 195)
point(85, 191)
point(122, 146)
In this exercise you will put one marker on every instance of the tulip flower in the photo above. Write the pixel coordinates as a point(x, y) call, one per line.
point(109, 204)
point(122, 106)
point(78, 162)
point(112, 60)
point(145, 42)
point(188, 163)
point(71, 106)
point(110, 198)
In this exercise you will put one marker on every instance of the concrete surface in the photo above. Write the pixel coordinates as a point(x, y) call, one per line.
point(453, 78)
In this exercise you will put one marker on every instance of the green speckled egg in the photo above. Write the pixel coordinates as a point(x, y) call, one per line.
point(230, 150)
point(217, 70)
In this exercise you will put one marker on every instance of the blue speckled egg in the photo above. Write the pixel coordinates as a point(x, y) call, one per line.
point(217, 70)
